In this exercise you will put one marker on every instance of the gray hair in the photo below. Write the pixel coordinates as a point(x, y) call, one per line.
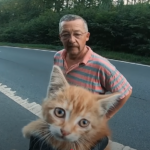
point(71, 17)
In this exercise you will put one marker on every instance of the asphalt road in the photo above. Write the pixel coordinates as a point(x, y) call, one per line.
point(27, 72)
point(12, 119)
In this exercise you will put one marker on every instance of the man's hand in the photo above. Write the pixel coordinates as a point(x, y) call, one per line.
point(121, 102)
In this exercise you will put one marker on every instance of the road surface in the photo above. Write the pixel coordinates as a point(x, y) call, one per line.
point(27, 72)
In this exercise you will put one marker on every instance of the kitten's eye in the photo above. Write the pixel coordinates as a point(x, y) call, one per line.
point(84, 123)
point(59, 112)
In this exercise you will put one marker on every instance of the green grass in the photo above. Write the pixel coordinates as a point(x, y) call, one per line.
point(106, 53)
point(124, 57)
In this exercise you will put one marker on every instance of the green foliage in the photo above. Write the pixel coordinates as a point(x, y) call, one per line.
point(42, 29)
point(126, 30)
point(122, 28)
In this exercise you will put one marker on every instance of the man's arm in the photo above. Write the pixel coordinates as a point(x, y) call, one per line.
point(118, 106)
point(114, 81)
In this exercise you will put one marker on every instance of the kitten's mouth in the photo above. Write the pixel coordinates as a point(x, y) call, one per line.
point(59, 137)
point(62, 138)
point(67, 138)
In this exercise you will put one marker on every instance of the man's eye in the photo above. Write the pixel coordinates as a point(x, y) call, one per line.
point(77, 34)
point(64, 35)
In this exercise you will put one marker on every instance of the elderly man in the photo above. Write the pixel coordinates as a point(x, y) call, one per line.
point(82, 67)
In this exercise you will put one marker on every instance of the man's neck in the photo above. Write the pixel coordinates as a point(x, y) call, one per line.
point(77, 58)
point(72, 60)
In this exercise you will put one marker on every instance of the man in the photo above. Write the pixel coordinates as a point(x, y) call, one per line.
point(82, 67)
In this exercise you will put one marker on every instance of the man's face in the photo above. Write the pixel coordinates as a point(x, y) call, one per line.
point(73, 35)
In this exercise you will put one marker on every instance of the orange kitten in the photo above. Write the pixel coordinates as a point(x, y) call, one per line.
point(72, 116)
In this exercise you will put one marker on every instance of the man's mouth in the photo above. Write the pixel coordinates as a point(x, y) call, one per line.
point(72, 46)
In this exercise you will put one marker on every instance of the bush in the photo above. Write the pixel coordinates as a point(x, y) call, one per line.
point(124, 29)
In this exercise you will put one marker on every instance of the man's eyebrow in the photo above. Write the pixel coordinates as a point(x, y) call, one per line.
point(77, 31)
point(73, 31)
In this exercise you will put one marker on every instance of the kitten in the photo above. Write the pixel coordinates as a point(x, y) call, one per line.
point(72, 117)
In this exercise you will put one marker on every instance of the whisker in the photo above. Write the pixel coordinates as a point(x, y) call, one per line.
point(37, 142)
point(44, 139)
point(84, 142)
point(79, 145)
point(42, 144)
point(42, 134)
point(73, 146)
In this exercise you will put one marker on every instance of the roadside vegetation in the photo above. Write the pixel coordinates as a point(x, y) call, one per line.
point(119, 29)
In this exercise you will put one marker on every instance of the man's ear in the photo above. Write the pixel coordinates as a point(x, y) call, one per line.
point(108, 101)
point(57, 82)
point(87, 36)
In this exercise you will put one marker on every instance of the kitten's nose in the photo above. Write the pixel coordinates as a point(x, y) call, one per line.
point(64, 132)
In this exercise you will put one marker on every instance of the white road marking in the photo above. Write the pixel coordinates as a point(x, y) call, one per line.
point(32, 49)
point(36, 109)
point(52, 51)
point(32, 107)
point(130, 63)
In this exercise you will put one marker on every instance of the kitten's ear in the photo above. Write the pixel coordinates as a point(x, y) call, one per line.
point(107, 101)
point(57, 81)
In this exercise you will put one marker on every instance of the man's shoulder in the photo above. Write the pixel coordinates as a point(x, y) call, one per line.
point(95, 57)
point(102, 62)
point(98, 58)
point(58, 53)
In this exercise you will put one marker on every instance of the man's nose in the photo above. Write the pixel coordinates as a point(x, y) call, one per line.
point(72, 38)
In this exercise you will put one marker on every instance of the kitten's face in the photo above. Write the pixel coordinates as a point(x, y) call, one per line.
point(74, 113)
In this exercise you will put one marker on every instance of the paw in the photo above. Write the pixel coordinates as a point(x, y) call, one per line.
point(26, 132)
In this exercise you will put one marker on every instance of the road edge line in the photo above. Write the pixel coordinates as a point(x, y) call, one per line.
point(52, 51)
